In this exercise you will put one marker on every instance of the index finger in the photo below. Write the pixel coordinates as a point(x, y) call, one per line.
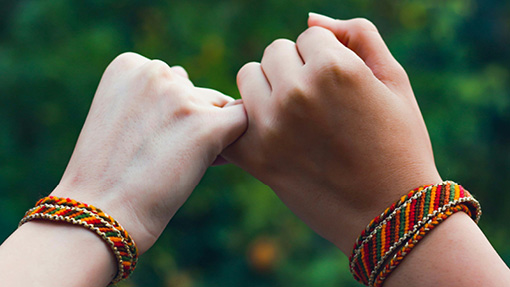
point(317, 44)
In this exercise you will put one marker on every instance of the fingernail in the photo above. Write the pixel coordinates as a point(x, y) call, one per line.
point(234, 103)
point(319, 16)
point(313, 14)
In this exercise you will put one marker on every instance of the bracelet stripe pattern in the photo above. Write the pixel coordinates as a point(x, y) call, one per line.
point(383, 215)
point(399, 256)
point(67, 210)
point(397, 227)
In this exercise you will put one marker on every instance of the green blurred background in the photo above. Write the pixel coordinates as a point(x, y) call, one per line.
point(233, 231)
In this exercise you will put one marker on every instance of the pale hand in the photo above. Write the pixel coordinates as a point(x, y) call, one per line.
point(149, 137)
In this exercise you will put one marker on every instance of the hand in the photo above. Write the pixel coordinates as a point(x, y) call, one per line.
point(148, 139)
point(334, 127)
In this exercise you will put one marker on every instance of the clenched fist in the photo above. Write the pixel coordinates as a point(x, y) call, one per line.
point(334, 128)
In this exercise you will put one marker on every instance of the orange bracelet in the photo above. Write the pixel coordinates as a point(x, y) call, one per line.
point(402, 225)
point(67, 210)
point(411, 242)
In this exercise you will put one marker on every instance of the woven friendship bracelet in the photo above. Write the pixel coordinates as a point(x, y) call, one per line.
point(399, 256)
point(130, 252)
point(70, 211)
point(376, 225)
point(371, 226)
point(400, 222)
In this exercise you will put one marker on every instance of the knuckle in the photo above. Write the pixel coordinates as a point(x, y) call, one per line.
point(334, 69)
point(329, 57)
point(126, 61)
point(333, 72)
point(249, 66)
point(341, 73)
point(276, 45)
point(176, 92)
point(126, 57)
point(329, 62)
point(294, 102)
point(312, 32)
point(159, 68)
point(160, 84)
point(397, 73)
point(308, 33)
point(316, 29)
point(245, 70)
point(185, 109)
point(177, 98)
point(294, 96)
point(399, 70)
point(363, 24)
point(281, 42)
point(157, 72)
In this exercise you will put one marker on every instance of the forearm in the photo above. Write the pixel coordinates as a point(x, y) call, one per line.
point(455, 253)
point(149, 137)
point(55, 254)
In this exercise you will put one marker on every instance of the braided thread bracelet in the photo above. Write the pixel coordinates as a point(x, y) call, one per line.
point(399, 228)
point(67, 210)
point(399, 256)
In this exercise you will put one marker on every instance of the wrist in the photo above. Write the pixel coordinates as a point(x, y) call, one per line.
point(68, 211)
point(456, 253)
point(119, 208)
point(379, 197)
point(390, 236)
point(44, 247)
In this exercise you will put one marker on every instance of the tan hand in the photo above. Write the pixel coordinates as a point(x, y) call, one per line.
point(334, 127)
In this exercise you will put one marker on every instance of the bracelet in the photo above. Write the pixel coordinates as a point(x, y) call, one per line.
point(67, 210)
point(399, 256)
point(373, 224)
point(398, 227)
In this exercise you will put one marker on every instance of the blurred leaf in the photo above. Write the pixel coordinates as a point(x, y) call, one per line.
point(234, 231)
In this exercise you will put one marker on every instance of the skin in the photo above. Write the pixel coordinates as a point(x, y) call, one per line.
point(148, 139)
point(335, 130)
point(333, 121)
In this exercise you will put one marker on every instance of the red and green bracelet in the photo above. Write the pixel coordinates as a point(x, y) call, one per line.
point(411, 242)
point(390, 236)
point(77, 213)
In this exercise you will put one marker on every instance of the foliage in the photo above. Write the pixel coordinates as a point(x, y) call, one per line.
point(233, 231)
